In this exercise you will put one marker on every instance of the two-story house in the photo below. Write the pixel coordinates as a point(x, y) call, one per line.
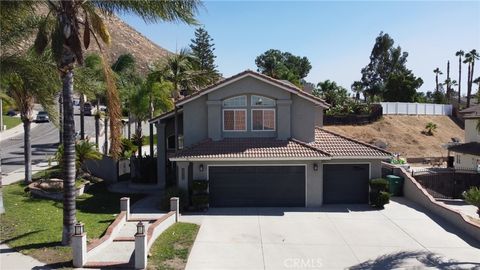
point(260, 142)
point(467, 155)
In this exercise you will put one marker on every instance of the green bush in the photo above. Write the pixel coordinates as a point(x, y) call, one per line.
point(173, 192)
point(199, 200)
point(199, 185)
point(128, 148)
point(379, 184)
point(472, 196)
point(381, 199)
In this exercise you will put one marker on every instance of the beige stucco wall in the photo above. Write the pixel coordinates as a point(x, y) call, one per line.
point(466, 161)
point(471, 132)
point(314, 179)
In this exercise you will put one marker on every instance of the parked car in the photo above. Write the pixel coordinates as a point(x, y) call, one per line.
point(12, 113)
point(87, 109)
point(42, 117)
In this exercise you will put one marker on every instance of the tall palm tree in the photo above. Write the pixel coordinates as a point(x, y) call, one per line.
point(437, 72)
point(470, 58)
point(477, 81)
point(182, 71)
point(28, 79)
point(357, 88)
point(65, 33)
point(448, 80)
point(459, 53)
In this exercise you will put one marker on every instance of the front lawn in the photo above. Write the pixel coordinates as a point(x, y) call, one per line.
point(11, 121)
point(34, 226)
point(171, 249)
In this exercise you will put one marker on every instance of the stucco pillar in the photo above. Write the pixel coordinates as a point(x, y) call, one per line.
point(161, 156)
point(79, 249)
point(125, 206)
point(140, 251)
point(175, 206)
point(283, 119)
point(214, 119)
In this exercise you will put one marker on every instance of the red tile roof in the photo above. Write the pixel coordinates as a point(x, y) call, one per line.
point(341, 146)
point(327, 145)
point(250, 148)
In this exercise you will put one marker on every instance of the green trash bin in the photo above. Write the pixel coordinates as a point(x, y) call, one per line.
point(395, 185)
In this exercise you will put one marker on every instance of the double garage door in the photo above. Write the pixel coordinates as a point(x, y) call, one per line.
point(284, 186)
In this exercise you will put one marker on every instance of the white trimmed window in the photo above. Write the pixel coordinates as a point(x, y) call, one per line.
point(260, 101)
point(238, 101)
point(234, 120)
point(263, 119)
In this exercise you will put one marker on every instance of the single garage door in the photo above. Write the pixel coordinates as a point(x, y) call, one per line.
point(252, 186)
point(345, 183)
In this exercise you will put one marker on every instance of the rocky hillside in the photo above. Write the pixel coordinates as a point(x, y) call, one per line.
point(124, 39)
point(403, 134)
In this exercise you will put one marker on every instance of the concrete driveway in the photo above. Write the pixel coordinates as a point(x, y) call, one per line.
point(332, 237)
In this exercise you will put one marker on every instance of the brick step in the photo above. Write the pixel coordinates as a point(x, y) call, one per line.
point(124, 239)
point(109, 265)
point(143, 219)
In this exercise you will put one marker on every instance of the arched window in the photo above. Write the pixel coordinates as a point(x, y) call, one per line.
point(238, 101)
point(260, 101)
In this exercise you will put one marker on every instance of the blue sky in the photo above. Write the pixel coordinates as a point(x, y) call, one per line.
point(337, 37)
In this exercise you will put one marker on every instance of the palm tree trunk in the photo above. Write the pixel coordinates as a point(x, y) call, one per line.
point(68, 159)
point(469, 86)
point(448, 81)
point(97, 129)
point(436, 83)
point(27, 151)
point(82, 117)
point(459, 79)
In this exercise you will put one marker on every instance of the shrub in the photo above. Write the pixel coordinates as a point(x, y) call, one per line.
point(128, 148)
point(379, 184)
point(199, 200)
point(381, 199)
point(430, 128)
point(200, 185)
point(173, 192)
point(472, 196)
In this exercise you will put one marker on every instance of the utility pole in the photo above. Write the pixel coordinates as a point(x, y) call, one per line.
point(106, 135)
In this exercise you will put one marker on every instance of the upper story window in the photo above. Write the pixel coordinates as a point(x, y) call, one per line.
point(262, 101)
point(238, 101)
point(263, 119)
point(234, 120)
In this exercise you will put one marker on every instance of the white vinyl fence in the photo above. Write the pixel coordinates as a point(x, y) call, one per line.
point(416, 108)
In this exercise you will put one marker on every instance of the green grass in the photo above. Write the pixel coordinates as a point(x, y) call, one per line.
point(11, 122)
point(171, 249)
point(34, 226)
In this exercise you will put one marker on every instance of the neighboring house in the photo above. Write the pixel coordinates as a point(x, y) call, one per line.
point(467, 155)
point(260, 142)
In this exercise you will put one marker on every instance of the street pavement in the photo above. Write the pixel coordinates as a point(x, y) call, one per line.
point(44, 138)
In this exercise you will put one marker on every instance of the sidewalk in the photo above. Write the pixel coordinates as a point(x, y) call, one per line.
point(17, 130)
point(19, 175)
point(10, 259)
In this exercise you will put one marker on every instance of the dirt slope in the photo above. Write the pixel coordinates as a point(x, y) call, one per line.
point(403, 134)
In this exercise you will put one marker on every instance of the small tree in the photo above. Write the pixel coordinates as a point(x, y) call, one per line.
point(430, 128)
point(472, 196)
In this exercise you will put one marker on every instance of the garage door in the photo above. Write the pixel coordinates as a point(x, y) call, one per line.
point(345, 183)
point(262, 186)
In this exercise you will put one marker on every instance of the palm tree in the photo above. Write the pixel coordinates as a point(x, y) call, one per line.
point(27, 79)
point(437, 72)
point(459, 53)
point(357, 88)
point(182, 71)
point(72, 16)
point(470, 58)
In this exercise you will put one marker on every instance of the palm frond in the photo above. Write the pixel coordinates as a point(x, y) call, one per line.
point(153, 10)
